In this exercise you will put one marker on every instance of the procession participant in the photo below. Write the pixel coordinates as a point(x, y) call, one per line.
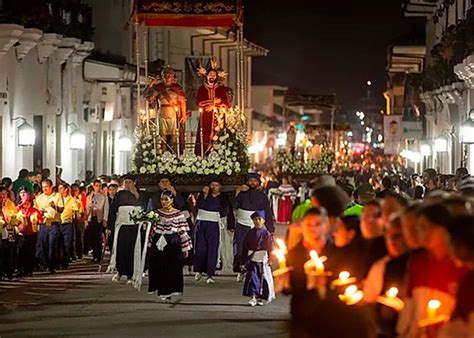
point(346, 253)
point(78, 221)
point(67, 228)
point(172, 107)
point(112, 192)
point(211, 96)
point(7, 183)
point(126, 201)
point(49, 204)
point(249, 199)
point(432, 273)
point(389, 271)
point(286, 201)
point(168, 243)
point(257, 248)
point(22, 181)
point(314, 228)
point(29, 218)
point(372, 231)
point(166, 184)
point(213, 208)
point(97, 214)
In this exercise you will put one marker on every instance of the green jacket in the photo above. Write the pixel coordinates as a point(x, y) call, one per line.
point(300, 211)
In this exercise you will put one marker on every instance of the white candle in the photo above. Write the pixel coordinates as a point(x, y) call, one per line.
point(432, 308)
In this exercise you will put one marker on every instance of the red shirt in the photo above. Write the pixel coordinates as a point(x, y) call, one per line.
point(425, 270)
point(26, 226)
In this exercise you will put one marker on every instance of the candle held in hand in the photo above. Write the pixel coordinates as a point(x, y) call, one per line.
point(318, 262)
point(392, 293)
point(433, 307)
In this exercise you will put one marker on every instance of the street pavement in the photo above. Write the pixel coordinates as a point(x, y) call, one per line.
point(84, 302)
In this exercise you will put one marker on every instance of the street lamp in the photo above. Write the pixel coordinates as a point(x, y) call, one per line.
point(441, 144)
point(467, 130)
point(77, 140)
point(124, 144)
point(26, 134)
point(425, 150)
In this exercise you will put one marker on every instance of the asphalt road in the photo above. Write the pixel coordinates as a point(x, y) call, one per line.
point(83, 302)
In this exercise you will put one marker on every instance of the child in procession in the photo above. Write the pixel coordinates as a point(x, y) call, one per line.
point(256, 250)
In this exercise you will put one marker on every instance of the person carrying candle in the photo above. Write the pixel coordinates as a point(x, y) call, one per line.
point(29, 218)
point(432, 273)
point(168, 243)
point(213, 209)
point(67, 228)
point(249, 199)
point(49, 203)
point(256, 249)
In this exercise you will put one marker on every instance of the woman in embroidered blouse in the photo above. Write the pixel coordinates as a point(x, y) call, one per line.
point(169, 243)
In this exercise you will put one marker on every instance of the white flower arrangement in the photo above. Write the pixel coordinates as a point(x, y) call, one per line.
point(229, 155)
point(288, 164)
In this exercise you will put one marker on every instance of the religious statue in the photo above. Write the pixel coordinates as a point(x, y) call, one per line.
point(170, 101)
point(211, 98)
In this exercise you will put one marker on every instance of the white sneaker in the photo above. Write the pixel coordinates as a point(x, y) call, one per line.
point(116, 278)
point(129, 281)
point(197, 276)
point(253, 301)
point(239, 277)
point(260, 302)
point(210, 281)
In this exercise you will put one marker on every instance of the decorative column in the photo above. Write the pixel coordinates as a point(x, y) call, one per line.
point(28, 40)
point(9, 35)
point(47, 45)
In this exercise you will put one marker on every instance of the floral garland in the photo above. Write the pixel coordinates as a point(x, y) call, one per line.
point(288, 164)
point(228, 157)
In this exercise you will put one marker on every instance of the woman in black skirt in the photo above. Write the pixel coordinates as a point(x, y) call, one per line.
point(168, 245)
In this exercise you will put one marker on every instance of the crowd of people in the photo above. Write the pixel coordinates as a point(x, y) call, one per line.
point(417, 238)
point(413, 233)
point(46, 226)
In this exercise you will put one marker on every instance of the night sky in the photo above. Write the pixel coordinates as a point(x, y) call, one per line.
point(327, 46)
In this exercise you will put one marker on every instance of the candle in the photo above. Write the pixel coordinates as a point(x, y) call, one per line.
point(344, 276)
point(318, 262)
point(391, 299)
point(391, 293)
point(344, 279)
point(432, 308)
point(280, 253)
point(352, 295)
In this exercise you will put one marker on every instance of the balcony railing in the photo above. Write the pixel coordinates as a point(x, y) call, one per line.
point(71, 18)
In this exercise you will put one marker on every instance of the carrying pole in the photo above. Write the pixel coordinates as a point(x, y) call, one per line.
point(137, 60)
point(145, 52)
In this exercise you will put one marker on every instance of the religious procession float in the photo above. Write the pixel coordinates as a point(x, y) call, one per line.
point(164, 145)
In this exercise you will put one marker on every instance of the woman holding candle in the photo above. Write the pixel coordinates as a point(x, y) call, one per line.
point(29, 218)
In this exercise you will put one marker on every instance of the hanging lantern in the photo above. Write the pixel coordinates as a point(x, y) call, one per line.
point(77, 140)
point(124, 144)
point(26, 135)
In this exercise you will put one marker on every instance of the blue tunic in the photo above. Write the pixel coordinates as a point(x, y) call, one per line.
point(254, 200)
point(257, 239)
point(206, 254)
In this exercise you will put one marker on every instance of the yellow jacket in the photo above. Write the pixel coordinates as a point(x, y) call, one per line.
point(50, 214)
point(70, 208)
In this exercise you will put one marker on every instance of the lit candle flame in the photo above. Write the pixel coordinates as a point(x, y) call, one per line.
point(392, 293)
point(280, 255)
point(433, 307)
point(350, 290)
point(344, 276)
point(281, 245)
point(317, 261)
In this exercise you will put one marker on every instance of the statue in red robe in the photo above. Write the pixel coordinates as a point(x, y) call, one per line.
point(211, 97)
